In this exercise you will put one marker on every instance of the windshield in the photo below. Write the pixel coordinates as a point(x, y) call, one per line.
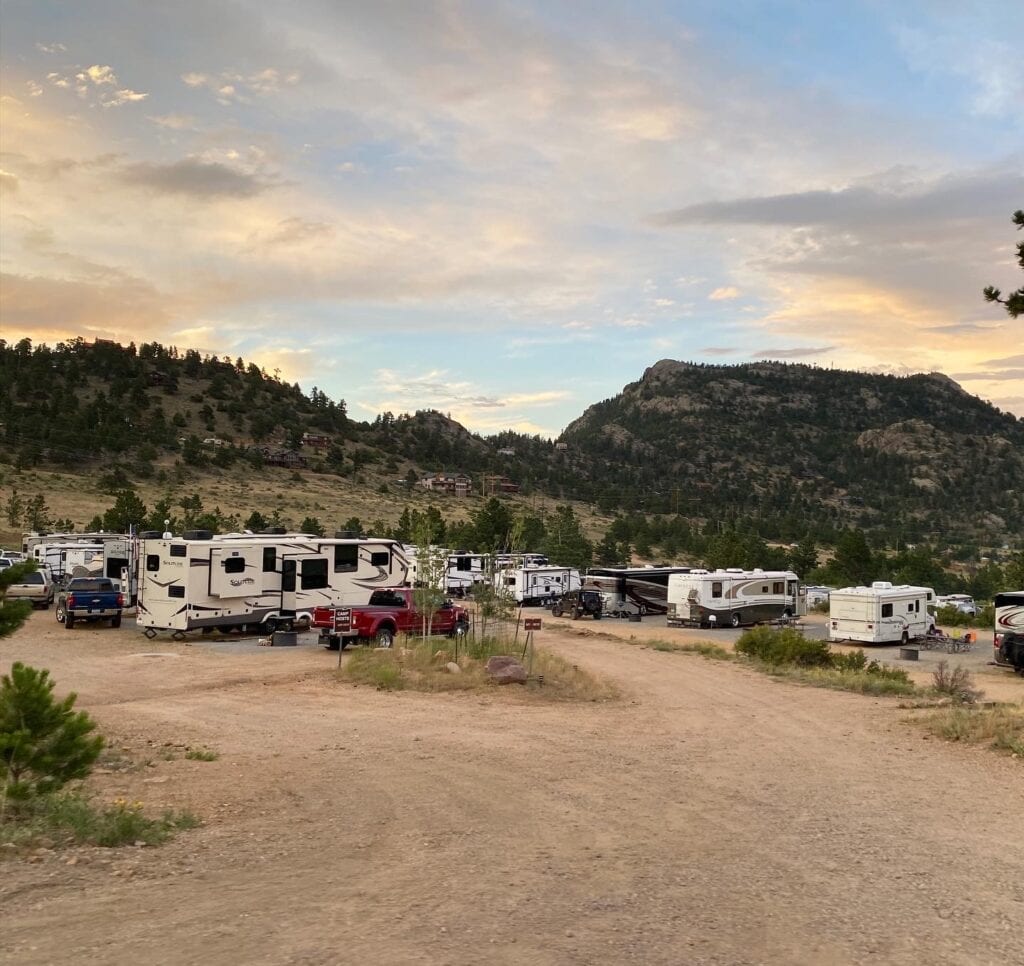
point(84, 583)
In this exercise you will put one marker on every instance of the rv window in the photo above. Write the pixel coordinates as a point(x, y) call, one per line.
point(910, 608)
point(511, 581)
point(716, 589)
point(114, 567)
point(764, 588)
point(314, 574)
point(464, 563)
point(887, 610)
point(346, 558)
point(917, 607)
point(175, 591)
point(179, 550)
point(153, 561)
point(779, 587)
point(380, 559)
point(234, 565)
point(269, 559)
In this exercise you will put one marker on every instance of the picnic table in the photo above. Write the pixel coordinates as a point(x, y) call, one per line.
point(952, 644)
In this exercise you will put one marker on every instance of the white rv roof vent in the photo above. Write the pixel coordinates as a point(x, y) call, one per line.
point(758, 570)
point(734, 570)
point(881, 585)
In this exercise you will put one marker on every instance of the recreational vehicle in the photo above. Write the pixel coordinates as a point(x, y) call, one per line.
point(70, 559)
point(733, 597)
point(464, 571)
point(880, 614)
point(117, 559)
point(503, 561)
point(201, 581)
point(537, 585)
point(633, 590)
point(1009, 630)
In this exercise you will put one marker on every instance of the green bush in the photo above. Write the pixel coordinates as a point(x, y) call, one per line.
point(44, 744)
point(778, 646)
point(952, 617)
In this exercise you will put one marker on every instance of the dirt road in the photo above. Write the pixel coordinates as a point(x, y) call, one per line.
point(711, 815)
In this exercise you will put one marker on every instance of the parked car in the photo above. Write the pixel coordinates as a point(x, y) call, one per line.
point(90, 599)
point(36, 587)
point(579, 603)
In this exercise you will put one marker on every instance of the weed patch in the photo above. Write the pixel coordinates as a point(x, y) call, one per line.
point(70, 818)
point(955, 682)
point(423, 666)
point(201, 754)
point(999, 727)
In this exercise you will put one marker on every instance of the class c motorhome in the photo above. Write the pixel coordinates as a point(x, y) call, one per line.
point(254, 581)
point(881, 613)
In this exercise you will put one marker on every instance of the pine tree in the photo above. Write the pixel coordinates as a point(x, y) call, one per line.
point(1014, 302)
point(44, 743)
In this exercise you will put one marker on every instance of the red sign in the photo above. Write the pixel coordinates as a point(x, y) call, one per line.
point(532, 623)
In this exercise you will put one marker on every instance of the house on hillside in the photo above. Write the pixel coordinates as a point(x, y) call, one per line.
point(288, 458)
point(499, 484)
point(316, 441)
point(508, 451)
point(457, 485)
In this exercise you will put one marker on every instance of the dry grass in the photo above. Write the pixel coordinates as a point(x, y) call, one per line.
point(998, 726)
point(421, 666)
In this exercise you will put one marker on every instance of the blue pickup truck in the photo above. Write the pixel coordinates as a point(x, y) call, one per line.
point(90, 599)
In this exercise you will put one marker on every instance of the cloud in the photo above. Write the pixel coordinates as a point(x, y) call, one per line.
point(992, 375)
point(794, 353)
point(51, 48)
point(98, 77)
point(174, 122)
point(725, 293)
point(1005, 361)
point(190, 176)
point(633, 323)
point(964, 328)
point(719, 350)
point(8, 181)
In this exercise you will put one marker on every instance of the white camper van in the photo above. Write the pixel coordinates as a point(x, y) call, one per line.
point(733, 597)
point(202, 581)
point(880, 614)
point(537, 585)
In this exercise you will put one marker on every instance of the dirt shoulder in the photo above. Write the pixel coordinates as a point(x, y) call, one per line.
point(711, 815)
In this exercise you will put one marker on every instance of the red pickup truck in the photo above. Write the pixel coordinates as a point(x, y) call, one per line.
point(391, 611)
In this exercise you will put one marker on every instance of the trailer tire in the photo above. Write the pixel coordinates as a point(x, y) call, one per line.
point(385, 637)
point(735, 620)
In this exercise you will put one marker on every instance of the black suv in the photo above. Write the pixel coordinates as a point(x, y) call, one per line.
point(579, 603)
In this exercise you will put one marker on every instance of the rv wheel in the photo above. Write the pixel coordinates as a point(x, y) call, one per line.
point(735, 620)
point(905, 639)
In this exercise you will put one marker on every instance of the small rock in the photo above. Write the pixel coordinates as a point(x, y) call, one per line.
point(139, 844)
point(452, 668)
point(72, 861)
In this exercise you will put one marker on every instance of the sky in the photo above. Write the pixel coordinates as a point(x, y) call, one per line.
point(508, 211)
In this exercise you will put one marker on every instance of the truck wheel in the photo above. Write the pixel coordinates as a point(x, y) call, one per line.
point(597, 615)
point(59, 613)
point(461, 629)
point(69, 621)
point(556, 610)
point(115, 621)
point(735, 620)
point(332, 642)
point(385, 637)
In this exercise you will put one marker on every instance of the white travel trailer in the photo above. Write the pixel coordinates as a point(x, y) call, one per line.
point(733, 597)
point(537, 585)
point(964, 603)
point(880, 614)
point(258, 581)
point(464, 571)
point(117, 559)
point(70, 559)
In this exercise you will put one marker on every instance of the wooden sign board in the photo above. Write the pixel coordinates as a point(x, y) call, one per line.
point(531, 623)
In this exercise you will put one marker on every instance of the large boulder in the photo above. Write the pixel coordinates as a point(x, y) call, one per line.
point(503, 669)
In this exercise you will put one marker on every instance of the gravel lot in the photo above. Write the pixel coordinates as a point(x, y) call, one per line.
point(711, 815)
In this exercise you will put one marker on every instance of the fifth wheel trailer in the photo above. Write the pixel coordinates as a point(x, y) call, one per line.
point(880, 614)
point(201, 581)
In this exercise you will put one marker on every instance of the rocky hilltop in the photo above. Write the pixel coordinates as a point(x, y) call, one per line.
point(773, 439)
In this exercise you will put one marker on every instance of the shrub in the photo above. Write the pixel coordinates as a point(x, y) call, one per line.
point(777, 646)
point(43, 742)
point(955, 682)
